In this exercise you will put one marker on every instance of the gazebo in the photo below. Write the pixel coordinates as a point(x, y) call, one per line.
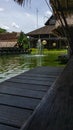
point(46, 33)
point(42, 33)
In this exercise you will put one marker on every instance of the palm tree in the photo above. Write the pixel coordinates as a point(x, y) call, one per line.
point(67, 5)
point(61, 5)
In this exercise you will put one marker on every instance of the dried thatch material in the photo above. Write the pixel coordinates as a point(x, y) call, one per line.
point(8, 39)
point(42, 31)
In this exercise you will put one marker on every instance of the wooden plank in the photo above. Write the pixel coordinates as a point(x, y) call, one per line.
point(21, 102)
point(36, 78)
point(22, 92)
point(5, 127)
point(46, 70)
point(12, 116)
point(24, 86)
point(36, 75)
point(22, 81)
point(43, 75)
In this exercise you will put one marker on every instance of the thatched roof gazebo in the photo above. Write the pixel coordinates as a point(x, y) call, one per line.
point(46, 33)
point(42, 32)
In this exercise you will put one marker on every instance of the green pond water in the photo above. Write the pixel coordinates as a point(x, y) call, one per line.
point(13, 65)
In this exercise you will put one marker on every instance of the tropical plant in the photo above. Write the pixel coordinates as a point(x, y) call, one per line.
point(23, 41)
point(20, 39)
point(3, 30)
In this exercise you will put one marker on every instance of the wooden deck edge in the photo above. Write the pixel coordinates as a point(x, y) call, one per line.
point(55, 109)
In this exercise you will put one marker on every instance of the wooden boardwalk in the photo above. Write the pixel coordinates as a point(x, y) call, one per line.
point(20, 95)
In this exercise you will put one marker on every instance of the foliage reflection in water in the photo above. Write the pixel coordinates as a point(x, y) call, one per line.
point(13, 65)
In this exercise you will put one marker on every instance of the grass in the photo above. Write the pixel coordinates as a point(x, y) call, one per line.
point(53, 51)
point(52, 56)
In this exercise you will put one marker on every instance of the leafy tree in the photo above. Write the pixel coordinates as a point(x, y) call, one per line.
point(3, 30)
point(20, 39)
point(23, 41)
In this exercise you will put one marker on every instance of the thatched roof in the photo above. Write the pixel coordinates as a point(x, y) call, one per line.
point(42, 31)
point(8, 36)
point(8, 39)
point(7, 44)
point(51, 20)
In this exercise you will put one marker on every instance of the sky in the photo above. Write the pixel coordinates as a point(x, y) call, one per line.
point(16, 18)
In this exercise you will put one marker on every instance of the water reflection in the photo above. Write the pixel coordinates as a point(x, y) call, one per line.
point(16, 64)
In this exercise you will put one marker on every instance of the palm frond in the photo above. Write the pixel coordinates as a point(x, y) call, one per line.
point(22, 2)
point(66, 6)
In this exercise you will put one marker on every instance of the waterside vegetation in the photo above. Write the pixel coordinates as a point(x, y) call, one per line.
point(53, 56)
